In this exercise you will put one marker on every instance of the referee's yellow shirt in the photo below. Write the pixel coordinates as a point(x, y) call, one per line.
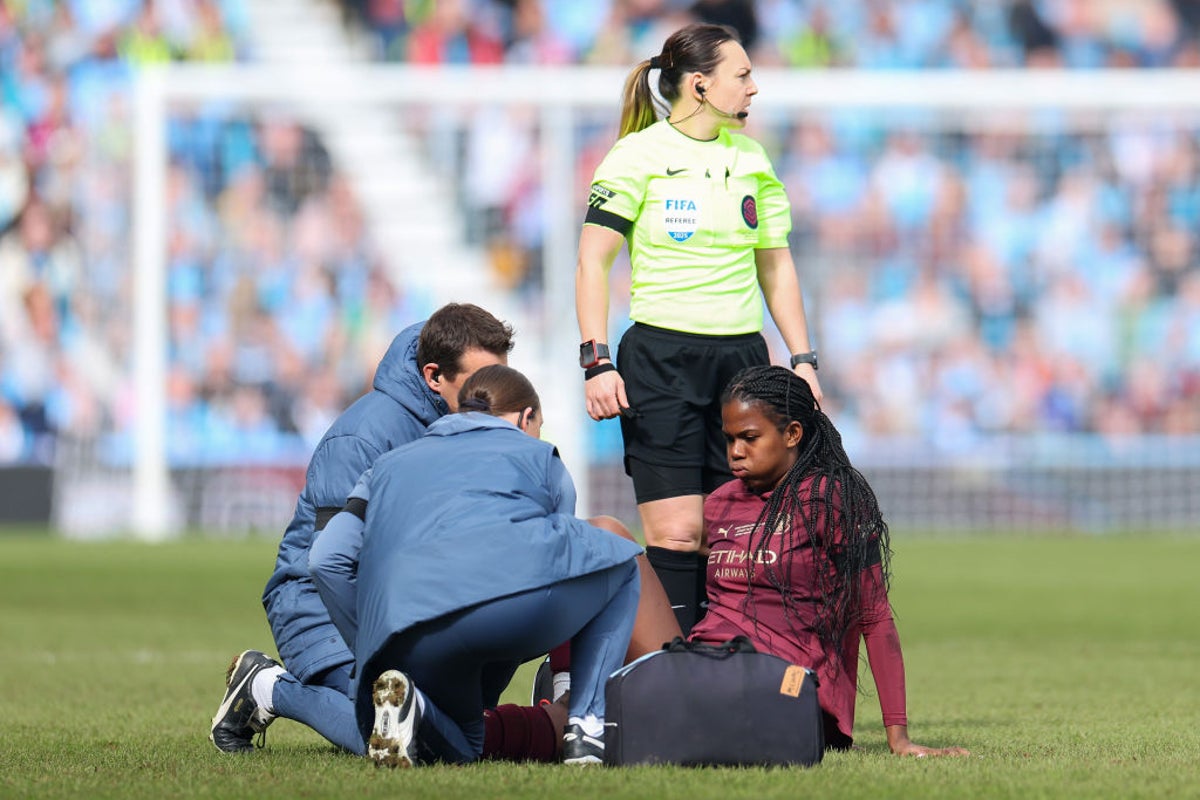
point(693, 212)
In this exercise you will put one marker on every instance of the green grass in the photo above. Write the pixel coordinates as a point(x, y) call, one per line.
point(1068, 666)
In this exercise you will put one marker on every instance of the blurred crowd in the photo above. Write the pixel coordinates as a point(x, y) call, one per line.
point(863, 34)
point(1000, 282)
point(278, 309)
point(961, 283)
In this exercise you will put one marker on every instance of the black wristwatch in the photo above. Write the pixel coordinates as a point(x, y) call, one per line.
point(590, 353)
point(805, 358)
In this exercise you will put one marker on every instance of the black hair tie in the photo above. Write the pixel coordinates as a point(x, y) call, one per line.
point(655, 62)
point(475, 404)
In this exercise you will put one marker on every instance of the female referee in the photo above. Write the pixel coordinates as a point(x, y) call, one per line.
point(707, 223)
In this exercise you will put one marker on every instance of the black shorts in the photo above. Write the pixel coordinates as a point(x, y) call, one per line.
point(673, 441)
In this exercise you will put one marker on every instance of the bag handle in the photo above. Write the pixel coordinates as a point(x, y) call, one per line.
point(738, 644)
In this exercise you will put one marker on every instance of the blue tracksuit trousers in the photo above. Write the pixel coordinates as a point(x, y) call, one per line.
point(324, 705)
point(461, 662)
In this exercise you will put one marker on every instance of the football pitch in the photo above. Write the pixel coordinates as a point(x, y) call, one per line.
point(1067, 665)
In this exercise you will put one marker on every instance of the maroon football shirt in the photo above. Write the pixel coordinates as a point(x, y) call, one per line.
point(742, 601)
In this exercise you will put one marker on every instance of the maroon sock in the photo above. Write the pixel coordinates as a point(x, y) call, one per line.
point(519, 733)
point(493, 733)
point(560, 658)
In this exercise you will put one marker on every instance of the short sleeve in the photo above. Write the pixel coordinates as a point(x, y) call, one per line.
point(774, 210)
point(618, 189)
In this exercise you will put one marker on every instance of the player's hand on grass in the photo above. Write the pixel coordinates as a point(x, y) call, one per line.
point(901, 745)
point(921, 751)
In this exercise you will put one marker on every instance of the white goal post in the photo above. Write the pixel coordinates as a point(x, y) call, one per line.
point(559, 94)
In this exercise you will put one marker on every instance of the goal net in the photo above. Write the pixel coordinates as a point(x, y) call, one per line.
point(1000, 271)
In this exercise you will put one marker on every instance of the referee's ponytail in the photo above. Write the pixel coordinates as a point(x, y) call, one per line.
point(694, 48)
point(637, 103)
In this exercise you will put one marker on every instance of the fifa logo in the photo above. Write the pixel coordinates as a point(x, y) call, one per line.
point(681, 217)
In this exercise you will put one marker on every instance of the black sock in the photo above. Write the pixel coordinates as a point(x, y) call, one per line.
point(701, 587)
point(682, 577)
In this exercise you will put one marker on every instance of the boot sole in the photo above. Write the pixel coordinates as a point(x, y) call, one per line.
point(391, 742)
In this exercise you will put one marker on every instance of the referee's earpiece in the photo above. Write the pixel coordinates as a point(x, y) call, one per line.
point(701, 88)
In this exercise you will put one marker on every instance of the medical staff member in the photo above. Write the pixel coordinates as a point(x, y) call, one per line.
point(416, 382)
point(706, 221)
point(458, 558)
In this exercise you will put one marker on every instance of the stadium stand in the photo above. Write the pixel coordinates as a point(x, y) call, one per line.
point(275, 323)
point(1055, 277)
point(1055, 285)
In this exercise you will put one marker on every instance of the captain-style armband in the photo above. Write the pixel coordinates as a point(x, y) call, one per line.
point(358, 507)
point(599, 369)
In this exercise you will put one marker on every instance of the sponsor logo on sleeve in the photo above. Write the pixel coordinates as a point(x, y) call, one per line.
point(600, 195)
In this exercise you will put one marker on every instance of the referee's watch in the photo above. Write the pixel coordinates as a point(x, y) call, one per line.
point(590, 353)
point(805, 358)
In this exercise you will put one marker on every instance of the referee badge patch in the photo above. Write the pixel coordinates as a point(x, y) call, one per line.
point(750, 211)
point(681, 217)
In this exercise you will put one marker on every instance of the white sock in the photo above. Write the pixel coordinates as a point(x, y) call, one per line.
point(562, 684)
point(592, 725)
point(263, 687)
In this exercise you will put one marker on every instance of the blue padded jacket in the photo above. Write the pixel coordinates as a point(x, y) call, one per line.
point(396, 411)
point(473, 511)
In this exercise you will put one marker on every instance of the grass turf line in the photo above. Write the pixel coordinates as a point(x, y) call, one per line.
point(1066, 664)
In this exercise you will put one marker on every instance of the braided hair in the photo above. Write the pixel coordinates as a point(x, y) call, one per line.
point(835, 492)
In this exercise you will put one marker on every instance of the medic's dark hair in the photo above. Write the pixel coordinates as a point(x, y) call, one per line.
point(456, 328)
point(497, 389)
point(823, 501)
